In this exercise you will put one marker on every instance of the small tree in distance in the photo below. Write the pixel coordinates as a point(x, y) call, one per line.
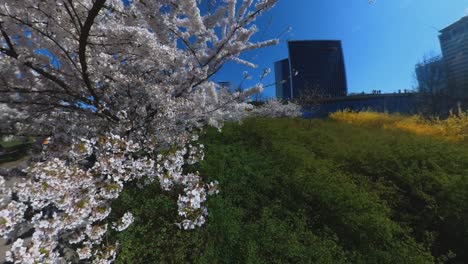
point(432, 78)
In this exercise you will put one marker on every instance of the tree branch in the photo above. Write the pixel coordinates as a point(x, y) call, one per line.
point(83, 41)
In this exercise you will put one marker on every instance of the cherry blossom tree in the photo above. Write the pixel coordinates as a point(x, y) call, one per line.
point(276, 108)
point(121, 90)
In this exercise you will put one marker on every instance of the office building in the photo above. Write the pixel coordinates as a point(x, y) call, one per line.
point(282, 77)
point(314, 67)
point(454, 45)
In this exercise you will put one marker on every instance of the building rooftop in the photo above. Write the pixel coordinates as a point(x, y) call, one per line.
point(315, 40)
point(460, 22)
point(368, 96)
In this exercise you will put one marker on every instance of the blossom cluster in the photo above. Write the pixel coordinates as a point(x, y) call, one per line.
point(275, 108)
point(72, 203)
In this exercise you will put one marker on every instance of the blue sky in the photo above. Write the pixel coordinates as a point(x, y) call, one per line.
point(381, 42)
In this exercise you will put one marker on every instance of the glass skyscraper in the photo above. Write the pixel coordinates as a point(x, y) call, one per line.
point(283, 83)
point(314, 67)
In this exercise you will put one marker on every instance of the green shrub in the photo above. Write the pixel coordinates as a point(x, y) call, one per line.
point(311, 191)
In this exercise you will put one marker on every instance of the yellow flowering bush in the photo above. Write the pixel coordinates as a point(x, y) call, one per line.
point(453, 128)
point(365, 118)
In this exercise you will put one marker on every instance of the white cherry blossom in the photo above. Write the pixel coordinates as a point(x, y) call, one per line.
point(122, 98)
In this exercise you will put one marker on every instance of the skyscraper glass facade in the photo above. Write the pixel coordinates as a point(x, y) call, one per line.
point(283, 83)
point(314, 67)
point(318, 67)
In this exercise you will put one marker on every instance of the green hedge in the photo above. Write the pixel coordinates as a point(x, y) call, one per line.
point(311, 191)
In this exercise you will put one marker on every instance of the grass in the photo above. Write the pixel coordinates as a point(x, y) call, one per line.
point(312, 191)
